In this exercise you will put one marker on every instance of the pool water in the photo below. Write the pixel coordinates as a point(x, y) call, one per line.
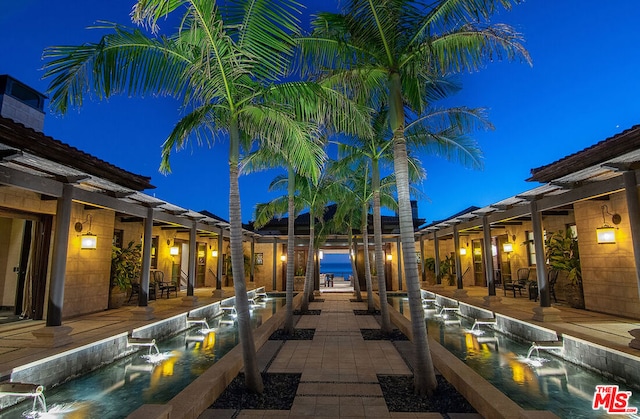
point(540, 383)
point(116, 390)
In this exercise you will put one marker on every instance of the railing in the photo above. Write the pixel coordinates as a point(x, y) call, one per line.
point(184, 279)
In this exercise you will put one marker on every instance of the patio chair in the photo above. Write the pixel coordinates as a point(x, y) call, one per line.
point(509, 284)
point(166, 286)
point(552, 278)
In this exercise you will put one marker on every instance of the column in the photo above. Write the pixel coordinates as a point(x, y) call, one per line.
point(544, 312)
point(253, 260)
point(59, 260)
point(275, 263)
point(424, 272)
point(193, 251)
point(143, 295)
point(456, 247)
point(54, 334)
point(400, 263)
point(436, 255)
point(219, 292)
point(631, 193)
point(488, 256)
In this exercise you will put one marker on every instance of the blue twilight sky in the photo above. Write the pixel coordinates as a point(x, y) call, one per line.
point(583, 87)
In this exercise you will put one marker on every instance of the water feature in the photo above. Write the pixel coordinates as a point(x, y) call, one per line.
point(541, 382)
point(118, 389)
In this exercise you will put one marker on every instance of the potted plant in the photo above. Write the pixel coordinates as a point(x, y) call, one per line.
point(126, 265)
point(563, 255)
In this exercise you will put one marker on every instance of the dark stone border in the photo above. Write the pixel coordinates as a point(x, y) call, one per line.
point(279, 392)
point(317, 300)
point(376, 334)
point(376, 312)
point(398, 394)
point(298, 334)
point(307, 313)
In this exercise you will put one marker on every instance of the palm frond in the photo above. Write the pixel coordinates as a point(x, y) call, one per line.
point(125, 61)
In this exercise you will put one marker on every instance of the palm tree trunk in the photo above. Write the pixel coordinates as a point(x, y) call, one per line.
point(253, 379)
point(356, 281)
point(308, 279)
point(367, 264)
point(385, 321)
point(291, 189)
point(424, 372)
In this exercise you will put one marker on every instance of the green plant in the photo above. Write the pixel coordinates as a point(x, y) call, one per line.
point(126, 265)
point(300, 271)
point(247, 265)
point(445, 267)
point(563, 255)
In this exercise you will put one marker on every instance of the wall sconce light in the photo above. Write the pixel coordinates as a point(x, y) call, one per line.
point(389, 257)
point(174, 250)
point(87, 240)
point(607, 233)
point(507, 247)
point(283, 258)
point(463, 251)
point(214, 253)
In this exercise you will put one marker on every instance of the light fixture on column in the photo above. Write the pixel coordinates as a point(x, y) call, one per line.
point(507, 247)
point(463, 251)
point(214, 253)
point(389, 257)
point(87, 240)
point(283, 258)
point(174, 250)
point(607, 233)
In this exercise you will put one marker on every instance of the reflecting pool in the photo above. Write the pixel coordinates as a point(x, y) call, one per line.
point(543, 382)
point(116, 390)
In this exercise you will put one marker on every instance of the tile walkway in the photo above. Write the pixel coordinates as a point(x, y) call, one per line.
point(339, 368)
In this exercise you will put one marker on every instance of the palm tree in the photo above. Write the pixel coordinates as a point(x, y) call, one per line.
point(225, 64)
point(311, 195)
point(394, 51)
point(260, 160)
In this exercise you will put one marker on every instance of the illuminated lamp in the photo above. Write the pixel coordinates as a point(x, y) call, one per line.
point(389, 257)
point(174, 250)
point(507, 247)
point(463, 251)
point(87, 240)
point(606, 233)
point(214, 253)
point(283, 258)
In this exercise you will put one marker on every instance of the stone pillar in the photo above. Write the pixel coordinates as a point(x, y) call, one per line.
point(631, 193)
point(276, 263)
point(633, 206)
point(399, 263)
point(253, 260)
point(143, 311)
point(436, 255)
point(219, 292)
point(460, 291)
point(54, 334)
point(491, 299)
point(544, 313)
point(190, 299)
point(422, 265)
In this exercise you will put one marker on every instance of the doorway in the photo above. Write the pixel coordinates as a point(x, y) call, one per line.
point(336, 274)
point(24, 258)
